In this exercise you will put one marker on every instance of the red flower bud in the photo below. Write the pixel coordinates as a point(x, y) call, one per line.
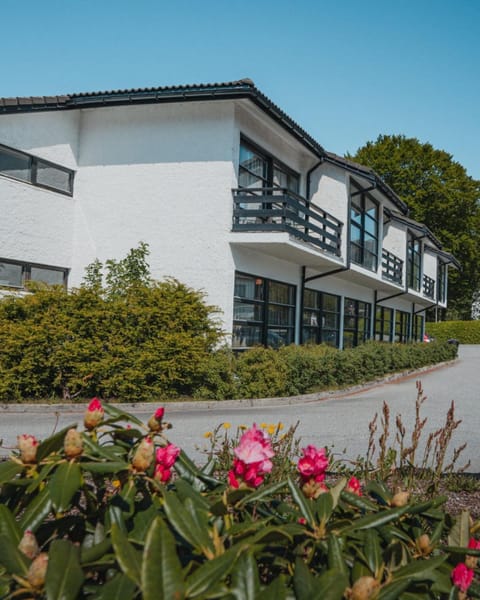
point(73, 443)
point(93, 414)
point(27, 445)
point(155, 421)
point(28, 545)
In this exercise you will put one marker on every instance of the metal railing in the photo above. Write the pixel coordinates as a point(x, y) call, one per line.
point(392, 267)
point(428, 287)
point(278, 209)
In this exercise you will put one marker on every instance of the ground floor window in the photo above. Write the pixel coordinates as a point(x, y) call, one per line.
point(384, 324)
point(417, 332)
point(321, 318)
point(263, 312)
point(356, 322)
point(402, 326)
point(15, 273)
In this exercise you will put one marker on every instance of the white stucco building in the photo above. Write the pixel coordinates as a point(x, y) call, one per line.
point(292, 243)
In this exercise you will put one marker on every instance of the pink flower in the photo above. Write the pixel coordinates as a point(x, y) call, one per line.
point(166, 457)
point(313, 464)
point(252, 461)
point(473, 544)
point(462, 577)
point(155, 421)
point(93, 414)
point(353, 486)
point(27, 444)
point(159, 413)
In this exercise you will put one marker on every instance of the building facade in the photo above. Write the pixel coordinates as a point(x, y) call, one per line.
point(292, 243)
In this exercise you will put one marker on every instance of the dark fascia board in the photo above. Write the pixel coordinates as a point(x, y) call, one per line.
point(244, 88)
point(419, 227)
point(370, 175)
point(446, 257)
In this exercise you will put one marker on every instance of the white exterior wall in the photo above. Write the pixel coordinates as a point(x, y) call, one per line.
point(430, 265)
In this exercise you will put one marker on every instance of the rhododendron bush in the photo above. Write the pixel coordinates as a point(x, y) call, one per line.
point(113, 509)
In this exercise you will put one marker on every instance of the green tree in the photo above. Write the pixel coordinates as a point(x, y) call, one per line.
point(440, 194)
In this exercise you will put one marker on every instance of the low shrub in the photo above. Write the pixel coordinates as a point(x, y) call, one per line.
point(466, 332)
point(100, 514)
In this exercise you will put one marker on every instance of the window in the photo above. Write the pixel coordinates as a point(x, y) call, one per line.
point(263, 312)
point(30, 169)
point(414, 265)
point(417, 333)
point(15, 273)
point(356, 322)
point(442, 281)
point(321, 318)
point(402, 326)
point(257, 169)
point(363, 229)
point(384, 324)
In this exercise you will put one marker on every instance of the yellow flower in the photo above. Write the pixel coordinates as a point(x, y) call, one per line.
point(280, 426)
point(263, 425)
point(207, 434)
point(271, 429)
point(227, 425)
point(116, 483)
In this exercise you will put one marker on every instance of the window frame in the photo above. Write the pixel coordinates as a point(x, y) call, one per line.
point(319, 311)
point(402, 326)
point(381, 323)
point(27, 272)
point(358, 200)
point(442, 271)
point(414, 262)
point(33, 170)
point(359, 336)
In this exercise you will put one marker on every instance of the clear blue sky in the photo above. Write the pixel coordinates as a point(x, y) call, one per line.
point(346, 70)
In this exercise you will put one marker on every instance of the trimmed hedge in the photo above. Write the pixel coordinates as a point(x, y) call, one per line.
point(466, 332)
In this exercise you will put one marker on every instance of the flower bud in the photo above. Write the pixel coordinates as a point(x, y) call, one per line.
point(423, 544)
point(471, 562)
point(364, 588)
point(38, 570)
point(400, 499)
point(73, 443)
point(313, 489)
point(143, 456)
point(27, 445)
point(155, 421)
point(93, 414)
point(28, 545)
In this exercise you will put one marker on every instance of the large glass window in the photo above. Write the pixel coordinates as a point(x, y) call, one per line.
point(263, 312)
point(24, 167)
point(258, 169)
point(16, 273)
point(402, 326)
point(414, 264)
point(363, 229)
point(417, 332)
point(321, 318)
point(356, 322)
point(384, 324)
point(442, 281)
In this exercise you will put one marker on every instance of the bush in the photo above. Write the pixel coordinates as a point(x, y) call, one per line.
point(90, 515)
point(466, 332)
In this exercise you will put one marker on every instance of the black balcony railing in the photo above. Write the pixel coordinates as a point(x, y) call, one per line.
point(428, 287)
point(392, 267)
point(278, 209)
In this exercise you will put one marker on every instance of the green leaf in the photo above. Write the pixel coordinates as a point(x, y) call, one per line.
point(261, 493)
point(112, 467)
point(11, 558)
point(359, 501)
point(142, 521)
point(379, 491)
point(460, 532)
point(211, 572)
point(303, 504)
point(128, 558)
point(64, 484)
point(94, 553)
point(336, 490)
point(185, 490)
point(9, 470)
point(331, 585)
point(117, 414)
point(277, 590)
point(335, 556)
point(118, 588)
point(377, 520)
point(393, 590)
point(303, 581)
point(161, 574)
point(324, 507)
point(245, 580)
point(269, 534)
point(36, 511)
point(53, 443)
point(420, 569)
point(373, 551)
point(8, 525)
point(40, 478)
point(64, 575)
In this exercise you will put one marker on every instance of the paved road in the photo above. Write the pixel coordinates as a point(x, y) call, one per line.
point(340, 421)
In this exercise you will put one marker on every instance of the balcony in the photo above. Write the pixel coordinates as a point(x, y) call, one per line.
point(280, 210)
point(392, 267)
point(428, 287)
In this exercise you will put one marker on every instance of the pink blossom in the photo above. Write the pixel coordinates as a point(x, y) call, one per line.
point(167, 455)
point(159, 413)
point(93, 414)
point(313, 464)
point(252, 461)
point(162, 474)
point(353, 486)
point(462, 577)
point(473, 544)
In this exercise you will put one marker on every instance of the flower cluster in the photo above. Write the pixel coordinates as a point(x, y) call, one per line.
point(472, 561)
point(353, 486)
point(166, 457)
point(252, 461)
point(311, 467)
point(462, 577)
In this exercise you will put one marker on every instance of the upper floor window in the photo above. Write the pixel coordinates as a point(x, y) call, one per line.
point(363, 229)
point(442, 281)
point(31, 169)
point(414, 265)
point(258, 169)
point(16, 273)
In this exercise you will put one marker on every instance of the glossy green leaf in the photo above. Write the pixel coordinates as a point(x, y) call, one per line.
point(9, 470)
point(117, 414)
point(53, 443)
point(335, 556)
point(185, 525)
point(11, 558)
point(261, 493)
point(277, 590)
point(161, 573)
point(142, 521)
point(359, 501)
point(94, 553)
point(420, 569)
point(8, 526)
point(64, 484)
point(393, 590)
point(37, 510)
point(303, 581)
point(324, 507)
point(373, 551)
point(42, 476)
point(114, 515)
point(380, 492)
point(460, 532)
point(331, 585)
point(211, 572)
point(64, 575)
point(377, 520)
point(185, 490)
point(118, 588)
point(303, 504)
point(270, 534)
point(336, 490)
point(245, 580)
point(129, 559)
point(112, 467)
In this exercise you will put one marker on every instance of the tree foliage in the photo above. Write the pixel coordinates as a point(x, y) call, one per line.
point(440, 194)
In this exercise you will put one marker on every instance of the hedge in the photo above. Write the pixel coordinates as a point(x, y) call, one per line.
point(466, 332)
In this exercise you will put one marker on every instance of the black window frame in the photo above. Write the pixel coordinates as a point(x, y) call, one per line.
point(402, 326)
point(358, 201)
point(268, 336)
point(34, 162)
point(27, 272)
point(384, 324)
point(319, 331)
point(359, 335)
point(442, 270)
point(414, 262)
point(418, 328)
